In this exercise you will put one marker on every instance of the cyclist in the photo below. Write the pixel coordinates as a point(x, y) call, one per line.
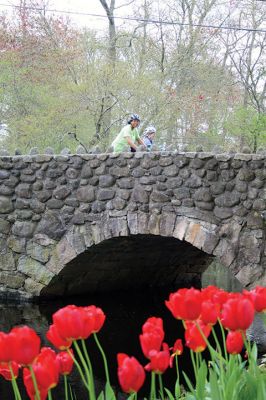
point(128, 138)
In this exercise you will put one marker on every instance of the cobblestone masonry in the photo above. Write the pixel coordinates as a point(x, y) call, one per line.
point(54, 208)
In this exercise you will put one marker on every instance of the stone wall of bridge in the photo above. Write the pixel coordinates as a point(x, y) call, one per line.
point(57, 208)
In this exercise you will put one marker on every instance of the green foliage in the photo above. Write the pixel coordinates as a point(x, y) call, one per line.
point(247, 127)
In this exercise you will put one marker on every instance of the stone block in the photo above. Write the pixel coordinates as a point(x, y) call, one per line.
point(6, 205)
point(132, 221)
point(86, 194)
point(38, 252)
point(249, 274)
point(33, 287)
point(34, 270)
point(4, 226)
point(210, 243)
point(180, 229)
point(24, 229)
point(139, 195)
point(76, 241)
point(7, 260)
point(106, 194)
point(11, 280)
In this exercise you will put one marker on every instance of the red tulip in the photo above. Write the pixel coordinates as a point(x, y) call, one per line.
point(150, 342)
point(194, 338)
point(27, 379)
point(46, 369)
point(209, 312)
point(237, 314)
point(65, 362)
point(46, 372)
point(5, 347)
point(131, 374)
point(5, 370)
point(97, 317)
point(25, 345)
point(234, 342)
point(73, 323)
point(177, 350)
point(185, 304)
point(152, 335)
point(154, 325)
point(259, 298)
point(178, 347)
point(54, 337)
point(159, 360)
point(215, 295)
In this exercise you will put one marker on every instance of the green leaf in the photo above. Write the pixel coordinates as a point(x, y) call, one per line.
point(188, 382)
point(169, 394)
point(214, 387)
point(201, 381)
point(177, 389)
point(132, 396)
point(109, 393)
point(101, 396)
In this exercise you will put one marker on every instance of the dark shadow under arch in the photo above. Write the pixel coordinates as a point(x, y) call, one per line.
point(135, 262)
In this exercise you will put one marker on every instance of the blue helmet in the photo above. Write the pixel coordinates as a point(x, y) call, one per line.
point(133, 117)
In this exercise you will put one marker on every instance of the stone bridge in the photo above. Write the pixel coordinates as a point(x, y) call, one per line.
point(72, 224)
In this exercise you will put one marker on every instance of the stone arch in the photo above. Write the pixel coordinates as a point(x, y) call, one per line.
point(82, 238)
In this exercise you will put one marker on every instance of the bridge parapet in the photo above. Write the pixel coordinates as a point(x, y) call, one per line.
point(54, 207)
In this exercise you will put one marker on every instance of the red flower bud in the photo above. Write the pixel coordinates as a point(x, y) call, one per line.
point(131, 374)
point(259, 298)
point(195, 337)
point(97, 317)
point(237, 314)
point(234, 342)
point(54, 337)
point(209, 312)
point(150, 342)
point(154, 325)
point(159, 360)
point(46, 372)
point(65, 362)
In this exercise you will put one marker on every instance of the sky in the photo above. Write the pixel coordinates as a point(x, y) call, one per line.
point(83, 6)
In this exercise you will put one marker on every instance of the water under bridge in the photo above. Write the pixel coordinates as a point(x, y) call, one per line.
point(72, 224)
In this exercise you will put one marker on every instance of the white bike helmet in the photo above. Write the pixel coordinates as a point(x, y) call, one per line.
point(149, 129)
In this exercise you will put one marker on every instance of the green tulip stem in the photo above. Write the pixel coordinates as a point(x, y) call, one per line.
point(79, 369)
point(66, 387)
point(153, 386)
point(14, 383)
point(50, 395)
point(104, 358)
point(84, 348)
point(177, 368)
point(161, 385)
point(193, 363)
point(87, 371)
point(33, 377)
point(224, 342)
point(216, 341)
